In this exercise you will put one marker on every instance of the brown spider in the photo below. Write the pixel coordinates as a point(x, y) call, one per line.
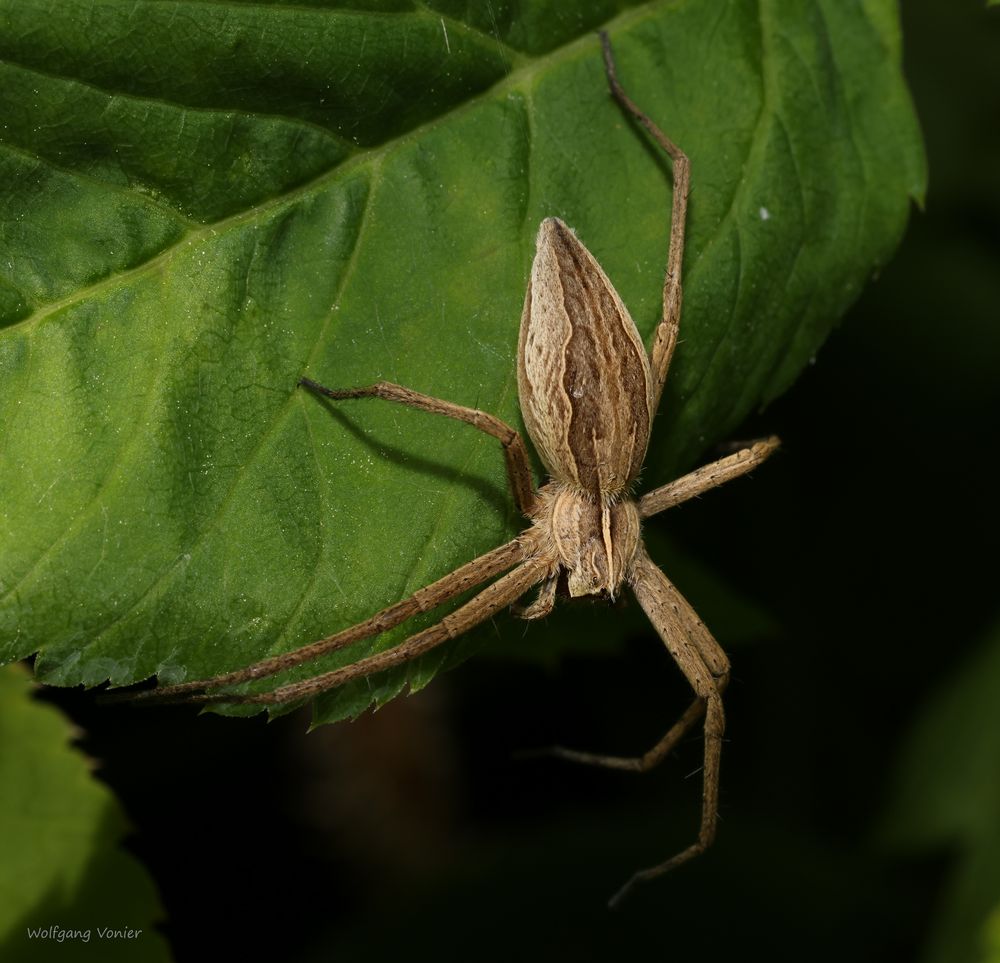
point(588, 395)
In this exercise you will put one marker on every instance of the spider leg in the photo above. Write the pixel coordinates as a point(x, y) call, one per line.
point(643, 763)
point(543, 604)
point(706, 668)
point(454, 583)
point(514, 452)
point(665, 339)
point(487, 603)
point(707, 477)
point(684, 624)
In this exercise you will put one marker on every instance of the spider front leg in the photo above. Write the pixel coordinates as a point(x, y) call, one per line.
point(515, 454)
point(665, 339)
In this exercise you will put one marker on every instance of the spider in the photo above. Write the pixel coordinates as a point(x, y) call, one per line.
point(588, 393)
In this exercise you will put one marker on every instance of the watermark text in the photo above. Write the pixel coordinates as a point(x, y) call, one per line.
point(61, 934)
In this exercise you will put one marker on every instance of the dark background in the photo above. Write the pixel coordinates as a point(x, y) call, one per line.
point(867, 547)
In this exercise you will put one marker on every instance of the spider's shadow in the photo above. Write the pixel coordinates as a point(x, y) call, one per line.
point(656, 153)
point(497, 497)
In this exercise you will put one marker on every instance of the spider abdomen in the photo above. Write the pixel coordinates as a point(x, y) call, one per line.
point(583, 375)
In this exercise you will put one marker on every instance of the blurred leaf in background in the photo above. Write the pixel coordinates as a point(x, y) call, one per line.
point(61, 833)
point(204, 207)
point(947, 798)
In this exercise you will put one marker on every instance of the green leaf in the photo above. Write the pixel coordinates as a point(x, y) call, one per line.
point(947, 794)
point(63, 865)
point(205, 202)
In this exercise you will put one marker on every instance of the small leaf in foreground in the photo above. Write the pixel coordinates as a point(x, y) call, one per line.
point(63, 866)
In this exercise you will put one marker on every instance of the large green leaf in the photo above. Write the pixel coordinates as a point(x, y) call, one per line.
point(67, 886)
point(205, 201)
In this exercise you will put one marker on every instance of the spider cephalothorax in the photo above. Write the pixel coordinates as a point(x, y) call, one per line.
point(591, 541)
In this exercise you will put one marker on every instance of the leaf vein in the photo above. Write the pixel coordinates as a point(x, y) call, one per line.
point(276, 420)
